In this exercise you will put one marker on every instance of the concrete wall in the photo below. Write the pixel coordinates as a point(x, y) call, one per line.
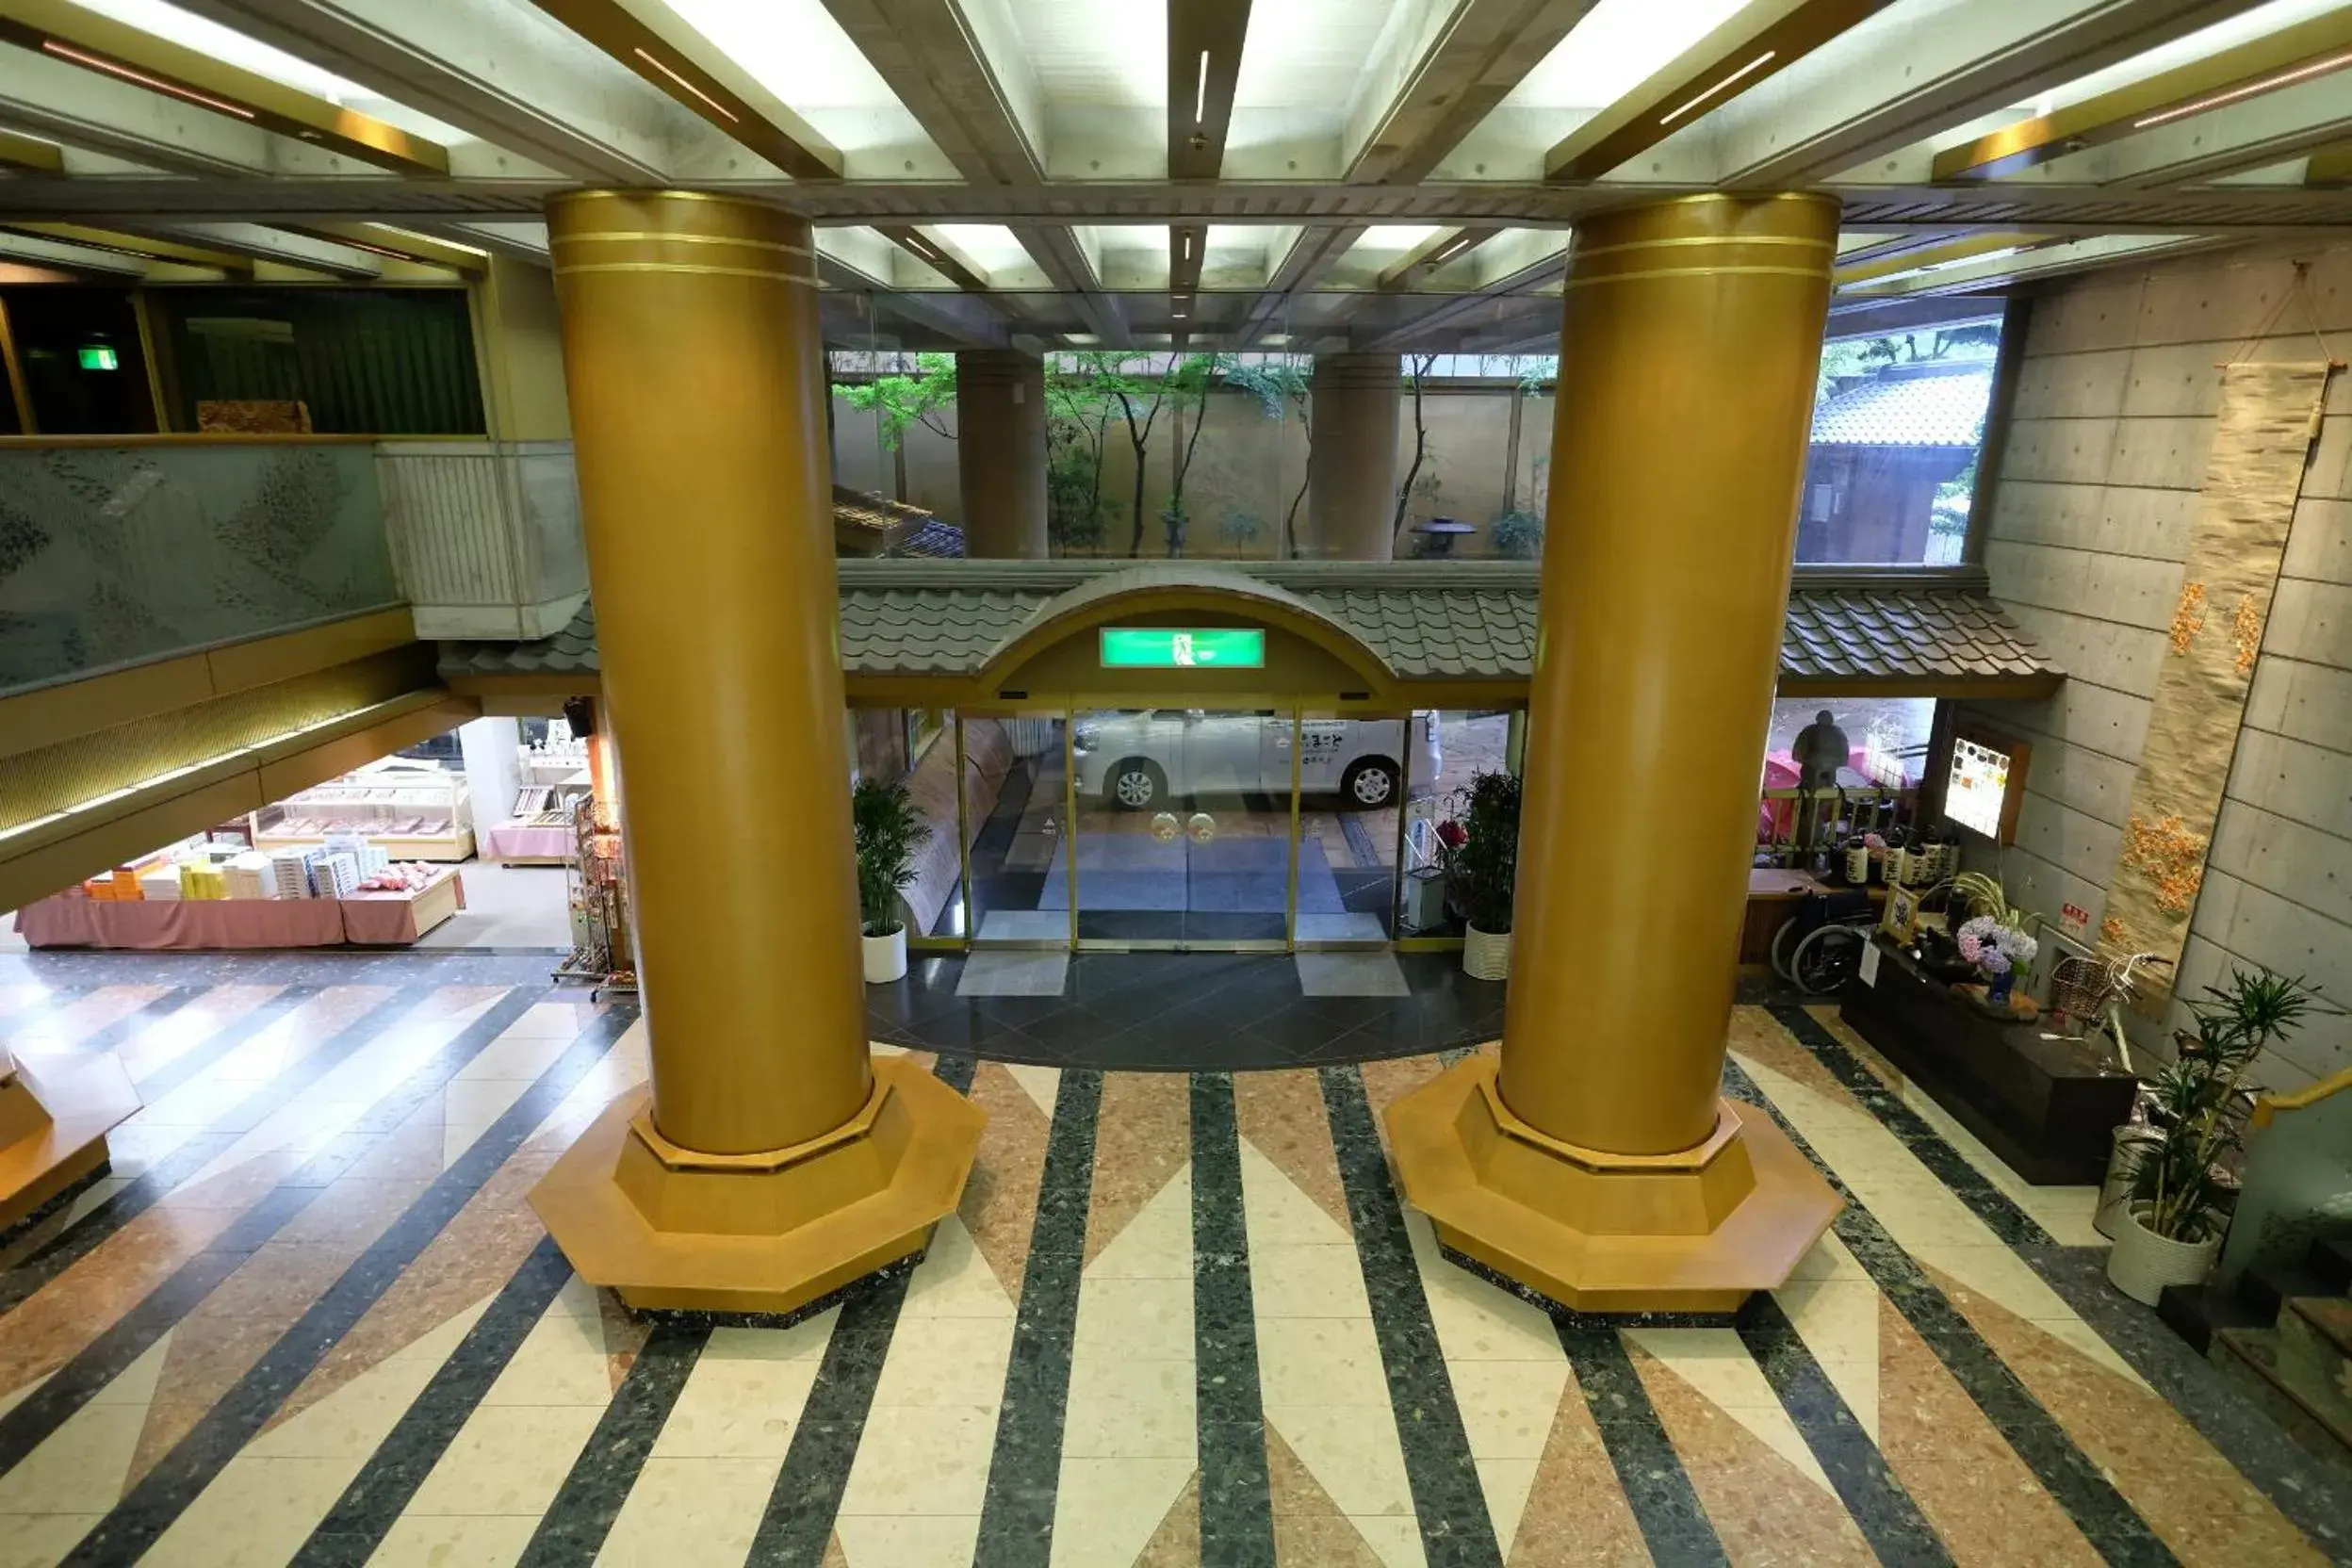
point(2089, 527)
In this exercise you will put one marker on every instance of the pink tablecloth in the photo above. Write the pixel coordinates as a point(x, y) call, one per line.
point(72, 918)
point(515, 840)
point(398, 918)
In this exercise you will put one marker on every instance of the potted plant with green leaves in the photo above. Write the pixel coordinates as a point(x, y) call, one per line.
point(1478, 847)
point(2171, 1230)
point(889, 832)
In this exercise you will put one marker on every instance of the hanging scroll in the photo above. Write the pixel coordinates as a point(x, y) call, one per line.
point(2270, 418)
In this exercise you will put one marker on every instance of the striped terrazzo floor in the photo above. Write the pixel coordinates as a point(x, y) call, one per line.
point(1181, 1319)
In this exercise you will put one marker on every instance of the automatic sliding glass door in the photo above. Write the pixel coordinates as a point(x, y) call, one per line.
point(1184, 820)
point(1016, 808)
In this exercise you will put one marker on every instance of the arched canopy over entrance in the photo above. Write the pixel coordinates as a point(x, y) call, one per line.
point(1135, 635)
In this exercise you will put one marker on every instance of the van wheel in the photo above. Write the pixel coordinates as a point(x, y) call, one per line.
point(1136, 785)
point(1368, 785)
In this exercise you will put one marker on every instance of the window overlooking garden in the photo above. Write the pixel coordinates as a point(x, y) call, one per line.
point(1151, 454)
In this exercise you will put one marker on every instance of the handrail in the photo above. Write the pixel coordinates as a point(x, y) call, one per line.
point(2268, 1105)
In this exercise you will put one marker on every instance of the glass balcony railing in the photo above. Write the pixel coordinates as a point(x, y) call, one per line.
point(115, 552)
point(119, 550)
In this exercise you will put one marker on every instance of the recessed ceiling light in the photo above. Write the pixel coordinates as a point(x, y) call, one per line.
point(716, 107)
point(1754, 65)
point(116, 67)
point(2267, 84)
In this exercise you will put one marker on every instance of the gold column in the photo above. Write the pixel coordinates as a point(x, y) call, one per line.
point(1601, 1166)
point(769, 1160)
point(1351, 460)
point(1000, 453)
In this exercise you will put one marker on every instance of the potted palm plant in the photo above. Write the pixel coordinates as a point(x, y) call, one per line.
point(1479, 847)
point(888, 831)
point(2171, 1230)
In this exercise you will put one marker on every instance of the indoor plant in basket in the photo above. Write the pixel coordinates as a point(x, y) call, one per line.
point(2171, 1230)
point(889, 831)
point(1479, 846)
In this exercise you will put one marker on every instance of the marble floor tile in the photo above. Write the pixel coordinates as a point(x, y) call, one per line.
point(746, 1391)
point(691, 1511)
point(257, 1512)
point(455, 1541)
point(1443, 1403)
point(508, 1458)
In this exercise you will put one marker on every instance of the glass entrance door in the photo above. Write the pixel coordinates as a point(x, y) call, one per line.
point(1185, 822)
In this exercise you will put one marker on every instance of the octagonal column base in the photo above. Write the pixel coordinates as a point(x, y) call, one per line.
point(1696, 1231)
point(674, 1229)
point(54, 1114)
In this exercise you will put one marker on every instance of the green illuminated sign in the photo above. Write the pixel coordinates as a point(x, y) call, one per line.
point(1171, 648)
point(98, 357)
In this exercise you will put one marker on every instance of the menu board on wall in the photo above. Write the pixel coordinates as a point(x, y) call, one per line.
point(1977, 789)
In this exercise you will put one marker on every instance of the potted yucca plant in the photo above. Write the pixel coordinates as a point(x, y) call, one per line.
point(889, 831)
point(2171, 1230)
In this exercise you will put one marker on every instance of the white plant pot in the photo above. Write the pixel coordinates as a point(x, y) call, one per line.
point(2144, 1263)
point(1485, 955)
point(886, 957)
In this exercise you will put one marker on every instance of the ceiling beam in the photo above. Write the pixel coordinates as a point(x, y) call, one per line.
point(519, 241)
point(651, 41)
point(1205, 39)
point(1310, 255)
point(506, 73)
point(392, 243)
point(983, 109)
point(1756, 43)
point(285, 247)
point(25, 155)
point(1441, 250)
point(124, 243)
point(89, 260)
point(1847, 274)
point(2296, 54)
point(2249, 134)
point(1431, 87)
point(2087, 253)
point(62, 31)
point(2329, 167)
point(964, 319)
point(1518, 273)
point(1905, 75)
point(933, 255)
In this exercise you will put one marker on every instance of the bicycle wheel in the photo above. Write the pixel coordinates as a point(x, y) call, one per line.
point(1826, 959)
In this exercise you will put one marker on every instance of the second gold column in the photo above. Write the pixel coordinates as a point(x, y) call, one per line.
point(1604, 1167)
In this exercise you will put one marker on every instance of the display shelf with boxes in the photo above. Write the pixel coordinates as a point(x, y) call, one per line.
point(409, 811)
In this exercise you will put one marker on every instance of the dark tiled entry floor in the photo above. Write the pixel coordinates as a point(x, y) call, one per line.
point(1178, 1012)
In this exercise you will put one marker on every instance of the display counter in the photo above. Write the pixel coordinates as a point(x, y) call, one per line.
point(529, 843)
point(2047, 1106)
point(411, 810)
point(74, 918)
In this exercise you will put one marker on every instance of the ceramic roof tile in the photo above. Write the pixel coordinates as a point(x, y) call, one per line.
point(936, 624)
point(1908, 410)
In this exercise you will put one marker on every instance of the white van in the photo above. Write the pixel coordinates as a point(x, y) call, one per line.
point(1141, 761)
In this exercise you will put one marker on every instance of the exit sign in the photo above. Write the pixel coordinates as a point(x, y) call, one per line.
point(1168, 647)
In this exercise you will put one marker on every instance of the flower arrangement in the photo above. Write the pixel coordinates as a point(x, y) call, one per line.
point(1478, 849)
point(2002, 954)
